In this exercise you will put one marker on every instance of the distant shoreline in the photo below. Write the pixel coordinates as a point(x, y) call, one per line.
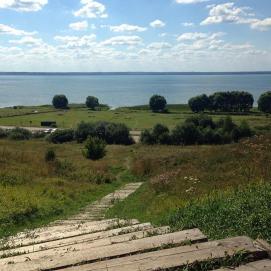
point(129, 73)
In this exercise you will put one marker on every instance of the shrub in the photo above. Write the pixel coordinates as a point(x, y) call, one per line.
point(83, 131)
point(202, 121)
point(264, 102)
point(50, 155)
point(60, 102)
point(94, 148)
point(19, 134)
point(92, 102)
point(245, 130)
point(3, 133)
point(158, 103)
point(147, 138)
point(111, 133)
point(61, 136)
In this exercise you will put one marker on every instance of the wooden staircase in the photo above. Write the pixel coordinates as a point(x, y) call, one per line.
point(88, 242)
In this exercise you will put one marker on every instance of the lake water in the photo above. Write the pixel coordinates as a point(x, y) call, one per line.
point(120, 90)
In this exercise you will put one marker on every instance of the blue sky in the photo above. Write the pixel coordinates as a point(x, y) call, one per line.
point(135, 35)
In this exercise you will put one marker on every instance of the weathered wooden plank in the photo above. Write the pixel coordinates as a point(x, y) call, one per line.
point(60, 251)
point(263, 265)
point(76, 240)
point(95, 254)
point(37, 238)
point(175, 257)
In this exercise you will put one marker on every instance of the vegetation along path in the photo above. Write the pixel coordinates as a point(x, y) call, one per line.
point(88, 242)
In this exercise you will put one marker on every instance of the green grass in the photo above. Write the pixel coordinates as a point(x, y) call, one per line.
point(137, 118)
point(34, 193)
point(223, 190)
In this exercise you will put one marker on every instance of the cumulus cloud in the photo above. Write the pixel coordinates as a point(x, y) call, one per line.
point(91, 9)
point(23, 5)
point(8, 30)
point(190, 1)
point(79, 26)
point(28, 41)
point(230, 13)
point(188, 24)
point(127, 28)
point(157, 24)
point(123, 40)
point(159, 45)
point(192, 36)
point(76, 41)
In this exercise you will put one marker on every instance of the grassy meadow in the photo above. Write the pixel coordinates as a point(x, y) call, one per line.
point(136, 118)
point(225, 190)
point(34, 192)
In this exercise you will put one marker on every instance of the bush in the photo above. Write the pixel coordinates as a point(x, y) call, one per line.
point(3, 133)
point(147, 138)
point(92, 102)
point(50, 155)
point(19, 134)
point(60, 102)
point(158, 103)
point(94, 148)
point(264, 102)
point(202, 121)
point(111, 133)
point(61, 136)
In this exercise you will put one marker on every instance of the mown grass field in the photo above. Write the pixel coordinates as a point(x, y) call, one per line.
point(34, 192)
point(137, 118)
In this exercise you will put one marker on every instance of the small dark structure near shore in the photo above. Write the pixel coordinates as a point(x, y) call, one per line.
point(48, 123)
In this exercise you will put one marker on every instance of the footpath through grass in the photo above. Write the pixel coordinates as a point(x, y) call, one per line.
point(223, 190)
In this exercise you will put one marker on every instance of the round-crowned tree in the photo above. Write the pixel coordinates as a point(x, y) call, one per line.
point(158, 103)
point(60, 101)
point(264, 102)
point(92, 102)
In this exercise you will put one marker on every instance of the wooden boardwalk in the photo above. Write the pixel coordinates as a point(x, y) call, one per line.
point(88, 242)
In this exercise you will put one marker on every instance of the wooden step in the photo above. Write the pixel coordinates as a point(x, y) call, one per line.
point(76, 240)
point(24, 239)
point(65, 250)
point(178, 257)
point(71, 258)
point(264, 265)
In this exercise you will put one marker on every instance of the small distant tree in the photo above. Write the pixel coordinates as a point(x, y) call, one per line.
point(92, 102)
point(158, 103)
point(199, 103)
point(264, 102)
point(60, 102)
point(94, 148)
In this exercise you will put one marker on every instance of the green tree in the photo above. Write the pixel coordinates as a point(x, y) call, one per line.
point(199, 103)
point(92, 102)
point(264, 102)
point(60, 101)
point(158, 103)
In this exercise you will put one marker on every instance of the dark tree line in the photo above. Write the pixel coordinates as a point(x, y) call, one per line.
point(230, 101)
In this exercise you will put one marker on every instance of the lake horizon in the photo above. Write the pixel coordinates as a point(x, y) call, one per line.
point(124, 88)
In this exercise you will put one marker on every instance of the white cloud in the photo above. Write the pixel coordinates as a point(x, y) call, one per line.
point(127, 28)
point(79, 26)
point(190, 1)
point(159, 45)
point(23, 5)
point(28, 41)
point(91, 9)
point(8, 30)
point(192, 36)
point(262, 25)
point(229, 13)
point(188, 24)
point(123, 40)
point(157, 24)
point(75, 41)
